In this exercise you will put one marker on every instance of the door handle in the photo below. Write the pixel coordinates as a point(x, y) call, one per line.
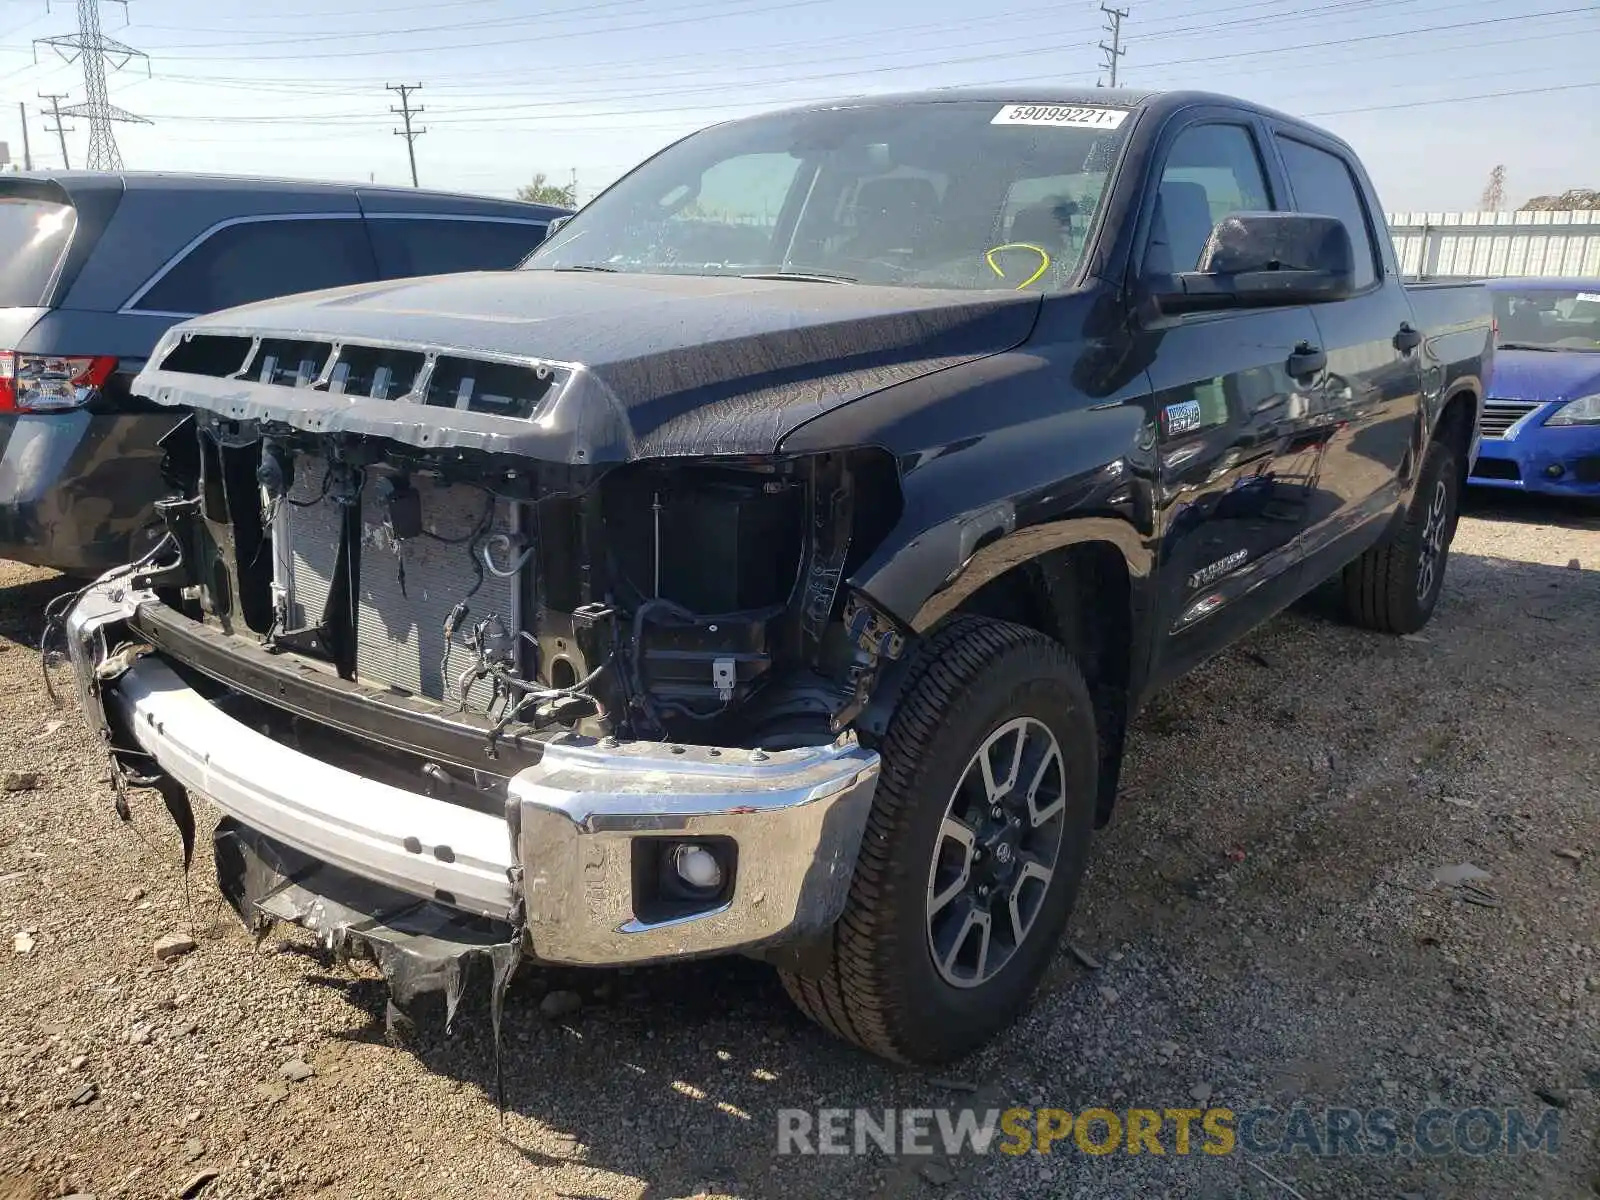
point(1306, 360)
point(1408, 339)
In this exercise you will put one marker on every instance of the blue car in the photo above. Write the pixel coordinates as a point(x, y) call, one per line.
point(1541, 420)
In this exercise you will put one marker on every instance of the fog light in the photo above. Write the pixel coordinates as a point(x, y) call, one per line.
point(1554, 471)
point(697, 867)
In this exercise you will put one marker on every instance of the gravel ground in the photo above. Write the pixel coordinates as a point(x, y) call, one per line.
point(1259, 927)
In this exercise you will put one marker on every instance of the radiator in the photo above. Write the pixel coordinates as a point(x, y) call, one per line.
point(399, 629)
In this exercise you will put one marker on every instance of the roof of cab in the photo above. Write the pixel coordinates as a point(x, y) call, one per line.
point(1036, 94)
point(1160, 104)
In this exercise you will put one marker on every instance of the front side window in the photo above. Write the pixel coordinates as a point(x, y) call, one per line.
point(1211, 172)
point(954, 194)
point(1324, 186)
point(259, 260)
point(1549, 318)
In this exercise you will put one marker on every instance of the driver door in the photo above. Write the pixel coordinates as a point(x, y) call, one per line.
point(1237, 471)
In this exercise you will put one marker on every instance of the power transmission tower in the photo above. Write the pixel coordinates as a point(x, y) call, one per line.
point(406, 113)
point(1115, 50)
point(58, 129)
point(96, 50)
point(1494, 192)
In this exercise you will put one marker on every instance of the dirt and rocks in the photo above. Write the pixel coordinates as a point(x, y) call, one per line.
point(1348, 871)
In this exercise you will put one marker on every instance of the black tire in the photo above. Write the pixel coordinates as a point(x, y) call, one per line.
point(1394, 586)
point(882, 988)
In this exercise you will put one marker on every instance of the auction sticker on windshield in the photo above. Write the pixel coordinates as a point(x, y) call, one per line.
point(1073, 116)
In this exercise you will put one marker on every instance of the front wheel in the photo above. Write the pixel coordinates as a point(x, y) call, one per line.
point(973, 851)
point(1394, 587)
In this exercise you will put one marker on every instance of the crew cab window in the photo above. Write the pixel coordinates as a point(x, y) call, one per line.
point(415, 246)
point(1323, 185)
point(1211, 171)
point(258, 260)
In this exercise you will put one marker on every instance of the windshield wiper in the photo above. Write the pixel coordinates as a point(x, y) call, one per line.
point(1524, 346)
point(586, 267)
point(802, 276)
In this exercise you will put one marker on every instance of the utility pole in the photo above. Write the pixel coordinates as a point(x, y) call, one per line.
point(1115, 50)
point(27, 155)
point(406, 113)
point(60, 130)
point(96, 50)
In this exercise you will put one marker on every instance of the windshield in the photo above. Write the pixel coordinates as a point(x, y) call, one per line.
point(1549, 318)
point(955, 194)
point(33, 234)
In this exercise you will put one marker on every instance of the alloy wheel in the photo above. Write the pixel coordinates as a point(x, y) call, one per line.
point(996, 853)
point(1433, 540)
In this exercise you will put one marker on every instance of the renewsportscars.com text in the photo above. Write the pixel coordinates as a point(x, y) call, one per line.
point(1320, 1133)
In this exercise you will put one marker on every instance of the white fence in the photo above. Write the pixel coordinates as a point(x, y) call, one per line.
point(1477, 245)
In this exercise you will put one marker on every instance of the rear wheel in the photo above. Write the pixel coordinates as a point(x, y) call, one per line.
point(973, 852)
point(1394, 587)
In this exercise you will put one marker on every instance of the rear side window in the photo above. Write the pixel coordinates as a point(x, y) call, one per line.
point(411, 246)
point(1211, 172)
point(259, 260)
point(1324, 186)
point(34, 234)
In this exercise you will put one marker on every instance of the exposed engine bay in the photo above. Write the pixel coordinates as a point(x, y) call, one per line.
point(691, 601)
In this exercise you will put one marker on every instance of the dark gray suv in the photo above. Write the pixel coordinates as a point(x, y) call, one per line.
point(93, 270)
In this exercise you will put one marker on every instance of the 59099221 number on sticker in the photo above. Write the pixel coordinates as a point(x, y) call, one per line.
point(1070, 116)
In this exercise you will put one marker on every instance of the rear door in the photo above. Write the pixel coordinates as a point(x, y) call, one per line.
point(1369, 402)
point(1233, 490)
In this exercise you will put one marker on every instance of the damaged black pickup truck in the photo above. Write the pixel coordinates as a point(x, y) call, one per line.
point(773, 563)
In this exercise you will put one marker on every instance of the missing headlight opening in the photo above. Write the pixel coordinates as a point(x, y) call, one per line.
point(689, 601)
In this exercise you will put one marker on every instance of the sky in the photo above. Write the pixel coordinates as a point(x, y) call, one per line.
point(1432, 93)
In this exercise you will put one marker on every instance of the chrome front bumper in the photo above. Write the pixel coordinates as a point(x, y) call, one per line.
point(562, 856)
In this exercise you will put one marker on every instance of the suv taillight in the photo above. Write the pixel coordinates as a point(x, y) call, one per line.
point(40, 383)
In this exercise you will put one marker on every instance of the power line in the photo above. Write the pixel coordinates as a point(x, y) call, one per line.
point(406, 112)
point(486, 81)
point(58, 129)
point(1054, 76)
point(1115, 50)
point(444, 116)
point(96, 50)
point(1536, 91)
point(539, 38)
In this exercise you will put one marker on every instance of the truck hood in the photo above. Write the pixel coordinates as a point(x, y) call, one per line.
point(1542, 375)
point(645, 365)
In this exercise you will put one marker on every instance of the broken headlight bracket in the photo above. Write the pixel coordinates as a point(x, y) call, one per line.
point(873, 638)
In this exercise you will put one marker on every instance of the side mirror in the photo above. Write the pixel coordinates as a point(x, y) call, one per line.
point(1257, 260)
point(550, 230)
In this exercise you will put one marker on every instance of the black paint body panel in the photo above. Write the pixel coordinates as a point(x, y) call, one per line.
point(1021, 424)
